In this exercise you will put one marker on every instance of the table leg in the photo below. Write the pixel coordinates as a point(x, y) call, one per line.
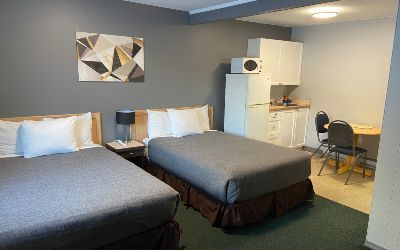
point(348, 160)
point(346, 166)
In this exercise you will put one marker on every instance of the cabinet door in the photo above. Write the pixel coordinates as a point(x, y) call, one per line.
point(270, 54)
point(290, 63)
point(300, 128)
point(287, 128)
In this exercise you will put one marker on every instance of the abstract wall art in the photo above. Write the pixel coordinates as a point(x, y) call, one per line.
point(109, 58)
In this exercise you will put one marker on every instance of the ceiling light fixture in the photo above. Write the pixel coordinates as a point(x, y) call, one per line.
point(325, 14)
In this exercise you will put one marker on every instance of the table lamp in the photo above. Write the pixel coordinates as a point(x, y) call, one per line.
point(126, 117)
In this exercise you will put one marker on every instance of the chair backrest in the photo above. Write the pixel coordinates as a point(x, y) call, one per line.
point(321, 118)
point(340, 133)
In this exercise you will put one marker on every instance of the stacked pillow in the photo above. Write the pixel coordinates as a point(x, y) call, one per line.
point(10, 143)
point(46, 137)
point(158, 124)
point(49, 137)
point(83, 129)
point(177, 123)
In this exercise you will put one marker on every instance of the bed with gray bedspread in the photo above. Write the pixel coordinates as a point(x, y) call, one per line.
point(228, 167)
point(57, 201)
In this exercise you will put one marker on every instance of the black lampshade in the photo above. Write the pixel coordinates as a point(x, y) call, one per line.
point(126, 117)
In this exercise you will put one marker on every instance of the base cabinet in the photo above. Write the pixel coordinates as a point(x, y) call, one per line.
point(300, 128)
point(288, 124)
point(288, 128)
point(274, 128)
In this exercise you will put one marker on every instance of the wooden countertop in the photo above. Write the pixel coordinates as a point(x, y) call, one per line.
point(273, 108)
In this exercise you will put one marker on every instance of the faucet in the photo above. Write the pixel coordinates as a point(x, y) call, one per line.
point(276, 100)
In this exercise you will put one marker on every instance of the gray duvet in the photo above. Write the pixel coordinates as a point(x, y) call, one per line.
point(228, 167)
point(78, 200)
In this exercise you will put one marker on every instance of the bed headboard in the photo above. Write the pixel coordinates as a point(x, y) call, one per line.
point(96, 123)
point(139, 129)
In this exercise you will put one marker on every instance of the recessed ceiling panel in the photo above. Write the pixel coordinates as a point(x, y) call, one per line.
point(348, 10)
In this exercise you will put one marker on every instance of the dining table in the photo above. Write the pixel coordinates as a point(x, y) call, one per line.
point(359, 130)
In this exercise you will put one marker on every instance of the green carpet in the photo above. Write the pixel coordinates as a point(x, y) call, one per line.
point(322, 224)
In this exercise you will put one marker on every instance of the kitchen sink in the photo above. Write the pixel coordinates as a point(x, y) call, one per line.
point(287, 105)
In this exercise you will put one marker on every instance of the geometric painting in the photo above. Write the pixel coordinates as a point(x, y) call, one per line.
point(109, 58)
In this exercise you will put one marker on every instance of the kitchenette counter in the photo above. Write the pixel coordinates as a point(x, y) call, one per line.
point(274, 108)
point(296, 104)
point(287, 125)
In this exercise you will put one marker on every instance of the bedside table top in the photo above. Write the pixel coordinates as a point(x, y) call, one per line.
point(132, 145)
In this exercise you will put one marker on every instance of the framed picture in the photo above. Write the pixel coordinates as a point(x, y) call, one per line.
point(109, 58)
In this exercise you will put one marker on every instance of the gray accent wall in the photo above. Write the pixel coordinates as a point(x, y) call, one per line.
point(185, 64)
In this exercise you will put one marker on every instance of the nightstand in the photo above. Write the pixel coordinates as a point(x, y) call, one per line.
point(134, 151)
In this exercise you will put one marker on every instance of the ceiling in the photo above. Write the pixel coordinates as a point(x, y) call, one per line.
point(194, 6)
point(349, 10)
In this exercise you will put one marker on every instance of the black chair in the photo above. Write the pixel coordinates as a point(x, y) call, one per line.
point(321, 118)
point(341, 141)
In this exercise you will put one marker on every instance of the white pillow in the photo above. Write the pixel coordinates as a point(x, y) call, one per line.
point(184, 122)
point(83, 128)
point(158, 124)
point(10, 142)
point(203, 117)
point(48, 137)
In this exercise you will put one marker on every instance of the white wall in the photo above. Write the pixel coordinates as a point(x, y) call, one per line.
point(345, 73)
point(384, 221)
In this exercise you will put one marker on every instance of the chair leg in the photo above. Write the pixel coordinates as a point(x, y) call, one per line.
point(351, 169)
point(365, 165)
point(337, 160)
point(316, 150)
point(322, 156)
point(323, 165)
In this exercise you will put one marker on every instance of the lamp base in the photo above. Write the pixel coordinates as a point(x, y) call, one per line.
point(128, 139)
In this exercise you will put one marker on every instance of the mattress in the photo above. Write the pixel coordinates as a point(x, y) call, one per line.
point(78, 200)
point(230, 168)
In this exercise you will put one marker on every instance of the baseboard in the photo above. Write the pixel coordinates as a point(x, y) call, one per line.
point(311, 150)
point(373, 246)
point(370, 161)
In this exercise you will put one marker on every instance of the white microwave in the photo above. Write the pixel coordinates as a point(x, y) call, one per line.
point(246, 65)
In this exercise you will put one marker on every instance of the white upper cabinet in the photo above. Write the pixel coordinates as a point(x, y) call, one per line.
point(280, 59)
point(290, 63)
